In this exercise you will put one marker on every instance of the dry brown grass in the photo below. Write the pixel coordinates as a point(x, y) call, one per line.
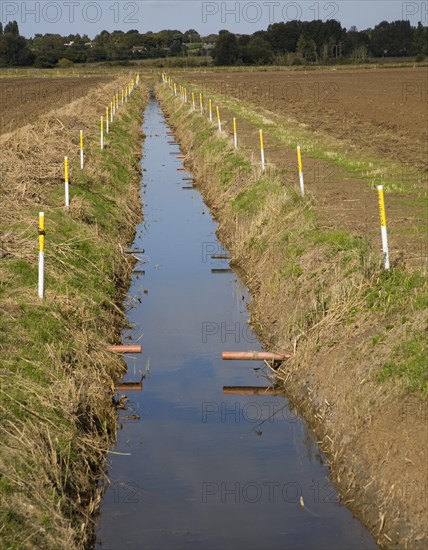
point(57, 379)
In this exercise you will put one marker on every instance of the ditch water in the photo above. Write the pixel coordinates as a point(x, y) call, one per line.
point(193, 467)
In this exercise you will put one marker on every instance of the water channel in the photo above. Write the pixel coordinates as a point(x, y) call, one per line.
point(194, 467)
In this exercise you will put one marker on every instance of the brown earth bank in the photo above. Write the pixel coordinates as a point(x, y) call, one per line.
point(374, 434)
point(384, 110)
point(22, 100)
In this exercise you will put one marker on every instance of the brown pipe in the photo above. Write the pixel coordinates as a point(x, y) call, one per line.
point(125, 349)
point(250, 390)
point(129, 386)
point(180, 157)
point(253, 356)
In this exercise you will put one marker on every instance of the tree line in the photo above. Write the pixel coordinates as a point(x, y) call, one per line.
point(290, 43)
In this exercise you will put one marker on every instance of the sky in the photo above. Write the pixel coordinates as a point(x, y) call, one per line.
point(244, 17)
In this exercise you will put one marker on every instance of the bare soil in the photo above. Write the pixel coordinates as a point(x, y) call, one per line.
point(384, 111)
point(23, 100)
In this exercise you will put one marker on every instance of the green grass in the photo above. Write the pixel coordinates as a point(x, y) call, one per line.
point(410, 365)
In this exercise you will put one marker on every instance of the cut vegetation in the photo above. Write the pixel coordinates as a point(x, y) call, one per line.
point(57, 378)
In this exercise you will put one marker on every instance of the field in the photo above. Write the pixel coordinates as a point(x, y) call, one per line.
point(22, 100)
point(313, 265)
point(357, 129)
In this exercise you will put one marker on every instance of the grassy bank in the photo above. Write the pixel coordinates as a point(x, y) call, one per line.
point(358, 374)
point(57, 377)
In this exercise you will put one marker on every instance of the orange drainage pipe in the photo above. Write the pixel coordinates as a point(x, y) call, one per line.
point(180, 157)
point(181, 170)
point(129, 386)
point(254, 356)
point(125, 349)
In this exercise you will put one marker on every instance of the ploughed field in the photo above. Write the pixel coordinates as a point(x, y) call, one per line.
point(22, 100)
point(384, 110)
point(380, 114)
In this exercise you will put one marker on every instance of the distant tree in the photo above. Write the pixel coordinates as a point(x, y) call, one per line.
point(360, 54)
point(283, 37)
point(392, 39)
point(226, 50)
point(1, 28)
point(14, 51)
point(11, 28)
point(306, 49)
point(257, 52)
point(420, 40)
point(191, 36)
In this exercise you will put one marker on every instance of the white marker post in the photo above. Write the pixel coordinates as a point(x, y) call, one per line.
point(262, 151)
point(66, 187)
point(201, 103)
point(82, 160)
point(235, 135)
point(218, 119)
point(193, 101)
point(41, 255)
point(102, 132)
point(211, 109)
point(107, 121)
point(301, 178)
point(383, 231)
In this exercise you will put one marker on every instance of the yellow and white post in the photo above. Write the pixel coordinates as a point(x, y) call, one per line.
point(235, 135)
point(201, 103)
point(107, 122)
point(41, 255)
point(102, 132)
point(114, 106)
point(218, 118)
point(175, 89)
point(211, 109)
point(193, 101)
point(111, 111)
point(82, 160)
point(117, 102)
point(123, 97)
point(185, 95)
point(262, 151)
point(301, 178)
point(383, 231)
point(66, 184)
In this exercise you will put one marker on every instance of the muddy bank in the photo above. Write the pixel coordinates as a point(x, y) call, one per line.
point(332, 306)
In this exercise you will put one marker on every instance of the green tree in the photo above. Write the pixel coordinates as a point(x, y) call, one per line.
point(226, 50)
point(14, 51)
point(420, 40)
point(1, 28)
point(257, 52)
point(392, 39)
point(12, 28)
